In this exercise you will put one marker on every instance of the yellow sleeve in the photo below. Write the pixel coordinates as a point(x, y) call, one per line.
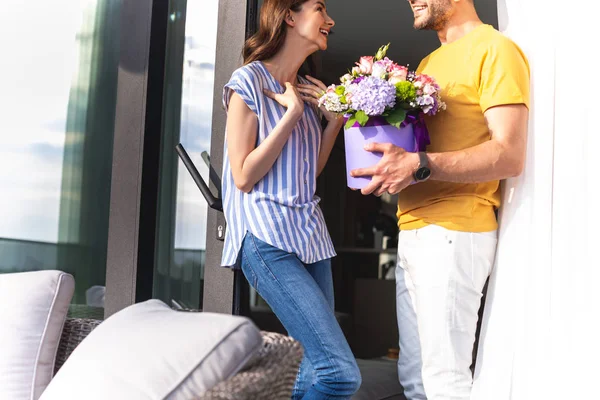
point(504, 76)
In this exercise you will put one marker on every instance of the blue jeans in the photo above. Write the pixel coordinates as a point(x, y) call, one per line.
point(301, 295)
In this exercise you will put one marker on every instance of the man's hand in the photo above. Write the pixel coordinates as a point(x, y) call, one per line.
point(393, 173)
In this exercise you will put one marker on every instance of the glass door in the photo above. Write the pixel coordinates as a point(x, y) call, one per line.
point(59, 93)
point(187, 118)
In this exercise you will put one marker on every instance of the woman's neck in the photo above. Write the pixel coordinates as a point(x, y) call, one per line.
point(285, 64)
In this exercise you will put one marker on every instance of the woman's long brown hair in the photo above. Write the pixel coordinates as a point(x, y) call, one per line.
point(272, 29)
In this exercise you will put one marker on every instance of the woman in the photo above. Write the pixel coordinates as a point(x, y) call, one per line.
point(275, 148)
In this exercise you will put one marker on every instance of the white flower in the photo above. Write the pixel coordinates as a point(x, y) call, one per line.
point(349, 93)
point(346, 78)
point(350, 87)
point(332, 102)
point(379, 70)
point(428, 89)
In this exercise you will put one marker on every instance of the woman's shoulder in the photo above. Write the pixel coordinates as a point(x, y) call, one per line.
point(248, 73)
point(248, 83)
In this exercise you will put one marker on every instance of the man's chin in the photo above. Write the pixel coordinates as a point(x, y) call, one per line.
point(419, 24)
point(422, 25)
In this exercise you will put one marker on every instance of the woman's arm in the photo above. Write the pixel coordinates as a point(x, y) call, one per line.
point(329, 136)
point(249, 164)
point(312, 93)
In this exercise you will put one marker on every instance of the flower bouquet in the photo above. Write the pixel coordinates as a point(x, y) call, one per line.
point(383, 102)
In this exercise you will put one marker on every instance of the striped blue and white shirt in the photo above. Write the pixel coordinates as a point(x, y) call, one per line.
point(282, 208)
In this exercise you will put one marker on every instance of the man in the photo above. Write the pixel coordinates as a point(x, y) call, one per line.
point(447, 219)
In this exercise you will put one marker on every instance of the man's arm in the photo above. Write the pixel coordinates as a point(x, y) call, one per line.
point(503, 156)
point(499, 158)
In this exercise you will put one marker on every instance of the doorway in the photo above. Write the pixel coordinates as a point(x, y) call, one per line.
point(363, 228)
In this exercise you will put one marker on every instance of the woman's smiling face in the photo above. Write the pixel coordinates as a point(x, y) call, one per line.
point(312, 23)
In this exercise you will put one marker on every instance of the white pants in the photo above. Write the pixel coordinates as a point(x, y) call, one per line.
point(439, 283)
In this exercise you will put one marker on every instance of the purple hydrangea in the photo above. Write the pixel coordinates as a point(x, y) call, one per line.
point(373, 95)
point(427, 103)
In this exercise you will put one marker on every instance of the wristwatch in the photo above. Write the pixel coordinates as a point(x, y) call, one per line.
point(422, 173)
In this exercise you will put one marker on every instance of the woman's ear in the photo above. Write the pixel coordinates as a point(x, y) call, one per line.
point(289, 19)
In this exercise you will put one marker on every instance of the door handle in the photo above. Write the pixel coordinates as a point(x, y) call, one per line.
point(212, 174)
point(213, 202)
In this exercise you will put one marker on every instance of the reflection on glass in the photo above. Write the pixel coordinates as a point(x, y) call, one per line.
point(191, 46)
point(59, 77)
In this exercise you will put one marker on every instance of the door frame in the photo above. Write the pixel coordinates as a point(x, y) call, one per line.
point(136, 154)
point(225, 289)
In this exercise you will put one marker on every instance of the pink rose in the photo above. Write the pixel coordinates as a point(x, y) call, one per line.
point(397, 74)
point(365, 65)
point(397, 68)
point(425, 79)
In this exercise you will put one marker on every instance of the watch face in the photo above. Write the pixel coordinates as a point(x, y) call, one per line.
point(422, 173)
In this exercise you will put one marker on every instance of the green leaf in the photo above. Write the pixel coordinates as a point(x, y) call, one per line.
point(396, 117)
point(362, 117)
point(340, 90)
point(350, 122)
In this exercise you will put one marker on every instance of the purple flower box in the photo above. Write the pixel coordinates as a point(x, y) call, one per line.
point(379, 131)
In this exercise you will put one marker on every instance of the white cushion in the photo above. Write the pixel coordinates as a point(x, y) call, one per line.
point(33, 308)
point(149, 351)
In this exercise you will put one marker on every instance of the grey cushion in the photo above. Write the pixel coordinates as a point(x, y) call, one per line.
point(149, 351)
point(33, 308)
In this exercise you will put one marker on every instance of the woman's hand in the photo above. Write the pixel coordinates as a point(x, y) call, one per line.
point(312, 94)
point(290, 99)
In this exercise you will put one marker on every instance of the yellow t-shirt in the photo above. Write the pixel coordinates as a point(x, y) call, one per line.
point(481, 70)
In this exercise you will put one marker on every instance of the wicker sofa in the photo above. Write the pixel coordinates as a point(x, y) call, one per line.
point(270, 375)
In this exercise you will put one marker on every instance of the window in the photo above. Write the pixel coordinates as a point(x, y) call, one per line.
point(59, 80)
